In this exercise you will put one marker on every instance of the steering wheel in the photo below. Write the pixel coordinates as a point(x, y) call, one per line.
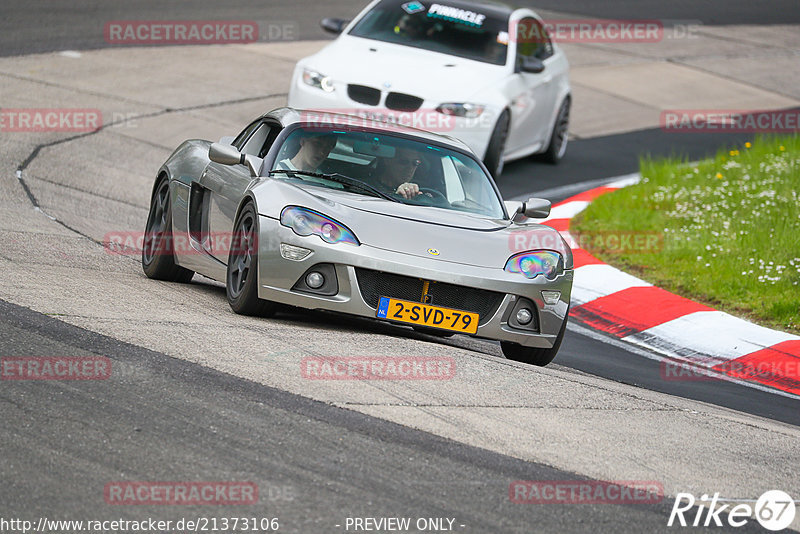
point(435, 195)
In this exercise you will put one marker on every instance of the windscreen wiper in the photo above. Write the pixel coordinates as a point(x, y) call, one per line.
point(338, 178)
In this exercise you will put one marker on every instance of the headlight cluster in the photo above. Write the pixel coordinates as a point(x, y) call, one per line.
point(318, 80)
point(532, 264)
point(305, 222)
point(461, 109)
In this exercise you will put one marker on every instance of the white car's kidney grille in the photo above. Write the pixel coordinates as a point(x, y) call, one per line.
point(401, 102)
point(364, 95)
point(376, 284)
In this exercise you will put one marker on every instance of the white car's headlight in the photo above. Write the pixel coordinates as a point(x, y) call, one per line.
point(461, 109)
point(318, 80)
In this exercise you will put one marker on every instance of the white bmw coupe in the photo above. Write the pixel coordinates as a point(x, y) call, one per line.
point(482, 72)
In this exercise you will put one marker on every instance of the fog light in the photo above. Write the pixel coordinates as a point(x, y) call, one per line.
point(315, 280)
point(551, 297)
point(291, 252)
point(524, 316)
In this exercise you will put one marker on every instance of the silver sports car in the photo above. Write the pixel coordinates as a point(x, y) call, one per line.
point(371, 219)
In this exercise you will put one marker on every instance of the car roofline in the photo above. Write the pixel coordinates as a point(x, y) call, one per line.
point(288, 116)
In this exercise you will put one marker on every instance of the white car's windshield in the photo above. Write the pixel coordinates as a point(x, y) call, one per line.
point(378, 164)
point(450, 27)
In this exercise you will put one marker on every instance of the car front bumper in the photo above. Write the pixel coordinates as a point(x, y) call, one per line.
point(277, 276)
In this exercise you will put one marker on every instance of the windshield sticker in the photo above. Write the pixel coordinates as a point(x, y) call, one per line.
point(455, 14)
point(502, 37)
point(413, 7)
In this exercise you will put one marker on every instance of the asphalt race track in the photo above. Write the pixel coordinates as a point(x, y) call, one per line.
point(200, 394)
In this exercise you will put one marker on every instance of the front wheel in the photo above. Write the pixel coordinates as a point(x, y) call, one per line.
point(558, 139)
point(241, 280)
point(158, 258)
point(497, 145)
point(534, 355)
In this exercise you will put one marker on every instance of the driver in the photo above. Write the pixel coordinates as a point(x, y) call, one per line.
point(396, 174)
point(314, 150)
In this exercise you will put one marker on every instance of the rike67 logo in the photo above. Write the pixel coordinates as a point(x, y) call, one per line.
point(774, 510)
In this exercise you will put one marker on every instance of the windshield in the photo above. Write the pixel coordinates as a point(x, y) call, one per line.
point(445, 28)
point(385, 165)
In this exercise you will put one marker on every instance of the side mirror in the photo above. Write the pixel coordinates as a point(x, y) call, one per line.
point(228, 155)
point(334, 26)
point(224, 154)
point(536, 208)
point(532, 65)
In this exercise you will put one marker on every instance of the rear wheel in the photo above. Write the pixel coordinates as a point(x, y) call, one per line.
point(158, 259)
point(558, 139)
point(241, 280)
point(497, 145)
point(534, 355)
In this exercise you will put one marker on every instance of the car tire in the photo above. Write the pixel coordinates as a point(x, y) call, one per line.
point(534, 355)
point(497, 145)
point(241, 278)
point(158, 258)
point(560, 135)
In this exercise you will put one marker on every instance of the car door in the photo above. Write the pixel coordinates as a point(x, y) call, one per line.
point(533, 94)
point(223, 187)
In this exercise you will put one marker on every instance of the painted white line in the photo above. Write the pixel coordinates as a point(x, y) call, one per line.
point(566, 211)
point(598, 280)
point(626, 180)
point(708, 337)
point(650, 355)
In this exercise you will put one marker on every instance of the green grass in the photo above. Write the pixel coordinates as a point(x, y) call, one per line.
point(730, 226)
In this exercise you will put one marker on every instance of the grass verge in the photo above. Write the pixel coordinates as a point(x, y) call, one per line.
point(728, 229)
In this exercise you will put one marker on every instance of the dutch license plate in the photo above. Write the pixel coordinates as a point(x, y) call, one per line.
point(406, 311)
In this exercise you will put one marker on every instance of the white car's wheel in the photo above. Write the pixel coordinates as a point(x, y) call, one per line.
point(497, 145)
point(558, 140)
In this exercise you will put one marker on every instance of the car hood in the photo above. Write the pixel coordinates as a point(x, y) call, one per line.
point(421, 231)
point(430, 75)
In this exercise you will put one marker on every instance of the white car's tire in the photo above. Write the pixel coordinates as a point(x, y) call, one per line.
point(560, 135)
point(497, 145)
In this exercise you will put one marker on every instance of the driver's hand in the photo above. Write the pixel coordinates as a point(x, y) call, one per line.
point(408, 190)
